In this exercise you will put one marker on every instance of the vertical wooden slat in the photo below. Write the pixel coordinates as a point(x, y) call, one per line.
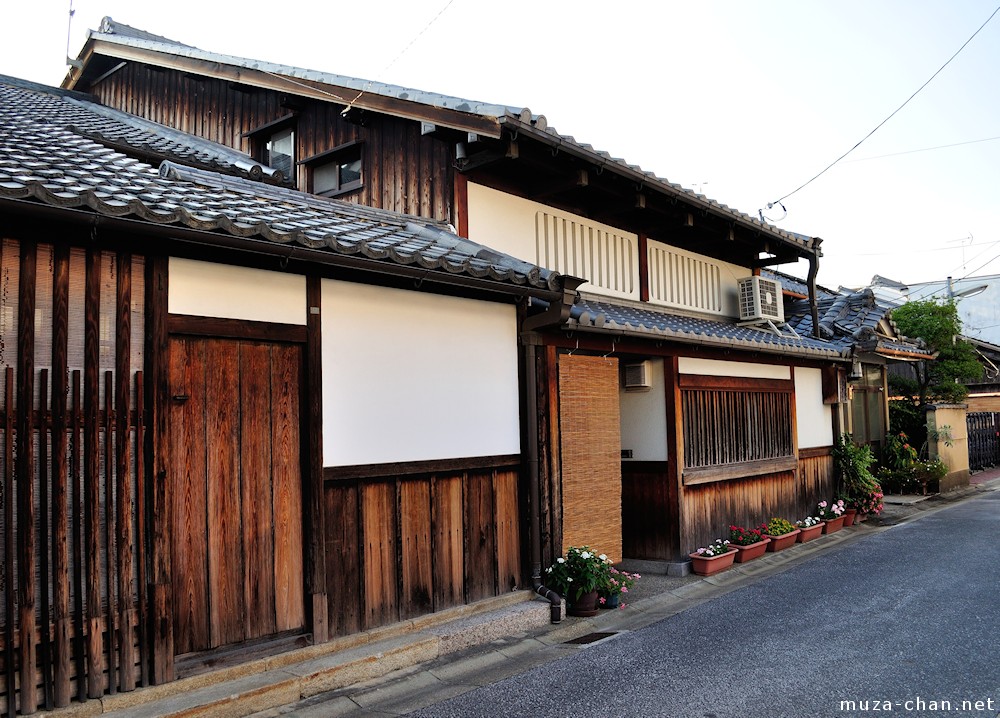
point(378, 520)
point(8, 537)
point(189, 549)
point(140, 527)
point(415, 545)
point(44, 575)
point(343, 555)
point(259, 530)
point(60, 473)
point(110, 558)
point(225, 544)
point(508, 545)
point(25, 477)
point(161, 499)
point(480, 561)
point(449, 539)
point(91, 474)
point(78, 528)
point(124, 536)
point(287, 472)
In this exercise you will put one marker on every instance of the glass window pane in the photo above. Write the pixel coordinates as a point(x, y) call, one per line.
point(350, 172)
point(325, 178)
point(281, 152)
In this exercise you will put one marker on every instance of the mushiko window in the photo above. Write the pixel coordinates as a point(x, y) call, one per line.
point(336, 171)
point(736, 426)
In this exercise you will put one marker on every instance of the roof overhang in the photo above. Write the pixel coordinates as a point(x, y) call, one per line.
point(101, 46)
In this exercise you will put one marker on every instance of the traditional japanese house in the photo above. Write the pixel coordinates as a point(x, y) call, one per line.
point(233, 412)
point(666, 398)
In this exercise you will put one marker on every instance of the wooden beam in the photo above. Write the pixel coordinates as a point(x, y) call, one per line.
point(315, 539)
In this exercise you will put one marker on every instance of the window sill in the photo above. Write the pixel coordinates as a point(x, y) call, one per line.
point(725, 472)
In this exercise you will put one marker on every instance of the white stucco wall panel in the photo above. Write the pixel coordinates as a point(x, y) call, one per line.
point(409, 376)
point(813, 418)
point(222, 291)
point(715, 367)
point(644, 418)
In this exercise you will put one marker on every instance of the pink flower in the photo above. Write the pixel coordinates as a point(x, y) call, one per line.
point(602, 600)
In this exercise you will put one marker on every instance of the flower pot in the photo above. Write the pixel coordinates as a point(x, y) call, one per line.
point(808, 533)
point(585, 605)
point(832, 525)
point(708, 565)
point(849, 517)
point(779, 543)
point(611, 601)
point(750, 551)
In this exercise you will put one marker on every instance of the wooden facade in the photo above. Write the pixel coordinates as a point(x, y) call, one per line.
point(162, 495)
point(403, 170)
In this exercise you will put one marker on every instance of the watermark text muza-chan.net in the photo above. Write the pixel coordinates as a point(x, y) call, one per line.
point(876, 705)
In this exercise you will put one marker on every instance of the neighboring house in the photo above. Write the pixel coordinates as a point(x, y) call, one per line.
point(233, 411)
point(860, 322)
point(977, 298)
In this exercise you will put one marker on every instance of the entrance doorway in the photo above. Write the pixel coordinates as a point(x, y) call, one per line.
point(236, 468)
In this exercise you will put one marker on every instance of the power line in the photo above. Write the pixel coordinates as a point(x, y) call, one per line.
point(877, 127)
point(924, 149)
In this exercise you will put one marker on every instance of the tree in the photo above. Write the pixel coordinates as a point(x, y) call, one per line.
point(939, 325)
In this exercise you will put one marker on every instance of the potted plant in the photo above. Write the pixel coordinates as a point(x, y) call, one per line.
point(618, 583)
point(578, 576)
point(749, 543)
point(717, 556)
point(782, 533)
point(871, 504)
point(832, 512)
point(809, 528)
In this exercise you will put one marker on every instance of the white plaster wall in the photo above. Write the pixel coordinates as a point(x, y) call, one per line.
point(207, 289)
point(714, 367)
point(409, 376)
point(644, 419)
point(813, 418)
point(729, 279)
point(508, 223)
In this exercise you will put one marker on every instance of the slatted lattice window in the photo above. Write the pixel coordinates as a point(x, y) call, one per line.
point(680, 280)
point(607, 260)
point(731, 421)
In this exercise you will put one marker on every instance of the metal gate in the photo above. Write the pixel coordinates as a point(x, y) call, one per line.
point(984, 440)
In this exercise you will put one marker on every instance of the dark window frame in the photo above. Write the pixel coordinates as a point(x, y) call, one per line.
point(340, 155)
point(262, 135)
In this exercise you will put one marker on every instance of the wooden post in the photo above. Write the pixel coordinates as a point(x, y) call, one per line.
point(25, 478)
point(8, 538)
point(91, 475)
point(60, 473)
point(160, 502)
point(122, 430)
point(315, 541)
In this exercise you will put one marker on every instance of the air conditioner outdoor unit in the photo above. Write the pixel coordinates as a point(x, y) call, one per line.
point(638, 375)
point(760, 298)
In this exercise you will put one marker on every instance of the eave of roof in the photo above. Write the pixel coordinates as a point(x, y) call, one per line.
point(628, 319)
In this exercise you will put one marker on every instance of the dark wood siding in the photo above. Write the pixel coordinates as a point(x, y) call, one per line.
point(403, 170)
point(406, 540)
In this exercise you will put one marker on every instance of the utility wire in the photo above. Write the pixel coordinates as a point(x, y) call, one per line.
point(830, 166)
point(924, 149)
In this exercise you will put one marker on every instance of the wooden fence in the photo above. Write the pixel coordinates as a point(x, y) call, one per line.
point(984, 439)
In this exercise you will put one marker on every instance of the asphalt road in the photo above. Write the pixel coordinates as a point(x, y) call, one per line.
point(905, 622)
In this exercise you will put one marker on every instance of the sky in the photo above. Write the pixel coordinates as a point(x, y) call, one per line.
point(742, 100)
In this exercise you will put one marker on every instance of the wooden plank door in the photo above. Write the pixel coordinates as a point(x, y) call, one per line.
point(237, 495)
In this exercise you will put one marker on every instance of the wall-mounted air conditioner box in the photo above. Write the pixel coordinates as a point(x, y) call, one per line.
point(760, 298)
point(639, 375)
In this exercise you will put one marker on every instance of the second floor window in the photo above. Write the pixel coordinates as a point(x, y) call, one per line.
point(279, 152)
point(336, 171)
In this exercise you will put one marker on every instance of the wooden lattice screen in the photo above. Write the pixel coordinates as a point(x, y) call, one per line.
point(72, 437)
point(732, 421)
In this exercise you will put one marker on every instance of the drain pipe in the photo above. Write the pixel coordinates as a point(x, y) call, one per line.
point(534, 491)
point(811, 283)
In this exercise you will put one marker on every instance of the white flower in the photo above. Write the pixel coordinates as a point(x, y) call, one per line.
point(603, 557)
point(560, 560)
point(569, 578)
point(585, 555)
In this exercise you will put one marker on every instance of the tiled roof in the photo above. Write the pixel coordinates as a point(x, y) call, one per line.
point(636, 320)
point(522, 120)
point(49, 155)
point(852, 319)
